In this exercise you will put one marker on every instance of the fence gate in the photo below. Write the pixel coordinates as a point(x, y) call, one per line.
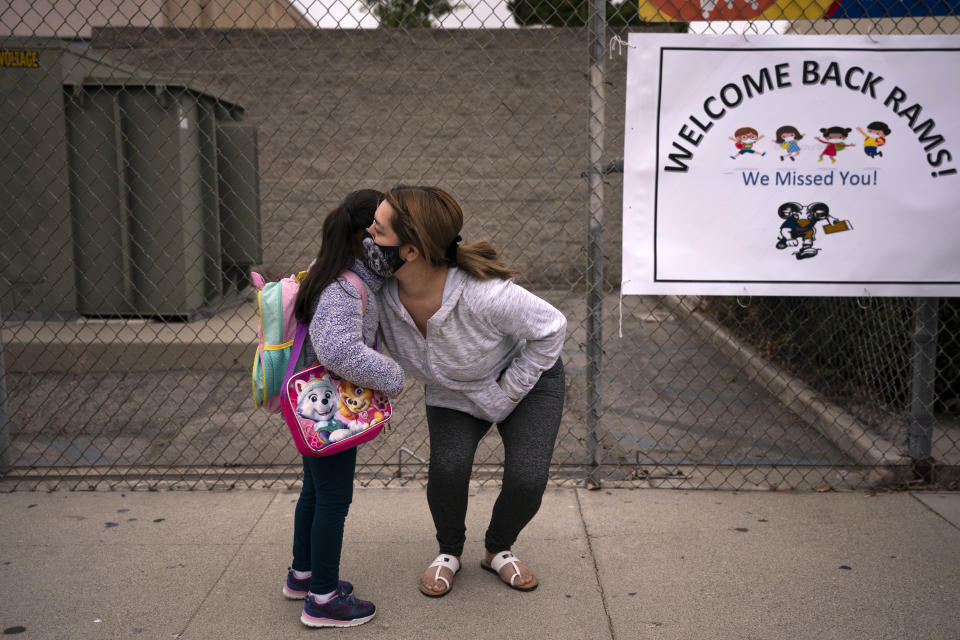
point(156, 152)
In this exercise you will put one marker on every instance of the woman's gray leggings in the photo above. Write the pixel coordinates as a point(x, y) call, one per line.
point(528, 437)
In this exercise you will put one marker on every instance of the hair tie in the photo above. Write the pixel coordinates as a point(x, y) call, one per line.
point(451, 254)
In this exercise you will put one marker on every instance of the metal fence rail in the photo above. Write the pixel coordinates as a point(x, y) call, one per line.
point(156, 153)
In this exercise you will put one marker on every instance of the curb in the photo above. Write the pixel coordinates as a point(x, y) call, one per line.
point(834, 423)
point(224, 341)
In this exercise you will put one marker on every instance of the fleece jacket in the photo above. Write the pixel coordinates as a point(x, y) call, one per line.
point(485, 347)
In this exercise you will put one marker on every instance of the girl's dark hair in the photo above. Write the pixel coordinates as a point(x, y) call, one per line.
point(787, 129)
point(844, 131)
point(339, 246)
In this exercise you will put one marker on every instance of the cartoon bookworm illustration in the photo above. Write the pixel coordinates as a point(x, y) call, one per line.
point(801, 230)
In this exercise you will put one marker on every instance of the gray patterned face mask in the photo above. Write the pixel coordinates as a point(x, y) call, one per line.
point(383, 261)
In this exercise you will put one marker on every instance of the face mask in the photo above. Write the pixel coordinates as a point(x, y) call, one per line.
point(383, 261)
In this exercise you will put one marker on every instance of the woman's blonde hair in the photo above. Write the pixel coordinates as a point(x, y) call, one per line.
point(430, 219)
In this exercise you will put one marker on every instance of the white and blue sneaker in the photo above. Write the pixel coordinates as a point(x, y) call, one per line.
point(342, 610)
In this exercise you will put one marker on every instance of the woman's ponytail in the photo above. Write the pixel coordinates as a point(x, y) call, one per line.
point(480, 260)
point(430, 219)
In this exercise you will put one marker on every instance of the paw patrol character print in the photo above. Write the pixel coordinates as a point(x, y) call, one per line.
point(359, 404)
point(874, 137)
point(380, 408)
point(801, 230)
point(317, 400)
point(745, 138)
point(787, 139)
point(835, 137)
point(357, 410)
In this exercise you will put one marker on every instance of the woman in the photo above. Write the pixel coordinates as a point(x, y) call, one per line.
point(488, 351)
point(343, 338)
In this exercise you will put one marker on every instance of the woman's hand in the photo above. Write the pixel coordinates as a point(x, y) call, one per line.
point(500, 384)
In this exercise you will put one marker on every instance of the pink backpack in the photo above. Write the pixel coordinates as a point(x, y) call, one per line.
point(325, 413)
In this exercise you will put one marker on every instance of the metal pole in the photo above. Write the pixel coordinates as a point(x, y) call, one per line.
point(924, 378)
point(596, 33)
point(6, 456)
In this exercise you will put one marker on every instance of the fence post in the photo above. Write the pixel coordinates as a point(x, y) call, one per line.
point(6, 459)
point(597, 29)
point(924, 379)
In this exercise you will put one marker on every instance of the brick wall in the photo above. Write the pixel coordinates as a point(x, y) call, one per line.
point(498, 118)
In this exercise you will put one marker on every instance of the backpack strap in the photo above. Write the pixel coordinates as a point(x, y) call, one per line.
point(294, 355)
point(354, 279)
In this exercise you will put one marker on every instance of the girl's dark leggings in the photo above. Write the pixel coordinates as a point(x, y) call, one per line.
point(320, 515)
point(528, 437)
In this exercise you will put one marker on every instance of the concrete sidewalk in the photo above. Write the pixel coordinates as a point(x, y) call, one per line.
point(619, 564)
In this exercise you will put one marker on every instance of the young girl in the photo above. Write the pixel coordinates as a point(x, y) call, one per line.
point(488, 351)
point(787, 138)
point(835, 137)
point(341, 335)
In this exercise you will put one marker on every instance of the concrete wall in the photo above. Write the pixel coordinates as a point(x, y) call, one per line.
point(71, 19)
point(498, 118)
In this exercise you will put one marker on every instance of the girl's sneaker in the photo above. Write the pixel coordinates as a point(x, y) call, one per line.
point(294, 589)
point(343, 610)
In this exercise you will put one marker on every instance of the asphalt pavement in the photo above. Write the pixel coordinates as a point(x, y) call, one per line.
point(613, 564)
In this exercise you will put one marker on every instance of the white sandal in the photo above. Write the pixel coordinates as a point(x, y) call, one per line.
point(503, 558)
point(441, 561)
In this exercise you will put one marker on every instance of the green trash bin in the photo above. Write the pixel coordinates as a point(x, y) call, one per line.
point(146, 195)
point(153, 199)
point(36, 246)
point(239, 196)
point(143, 212)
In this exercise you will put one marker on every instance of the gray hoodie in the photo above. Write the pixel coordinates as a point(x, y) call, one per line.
point(485, 330)
point(342, 335)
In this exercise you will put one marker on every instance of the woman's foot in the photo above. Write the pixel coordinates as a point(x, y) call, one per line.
point(510, 569)
point(437, 580)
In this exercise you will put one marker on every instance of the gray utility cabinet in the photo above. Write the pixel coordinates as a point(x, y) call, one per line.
point(139, 196)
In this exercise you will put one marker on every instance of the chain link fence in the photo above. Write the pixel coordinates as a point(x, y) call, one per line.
point(157, 152)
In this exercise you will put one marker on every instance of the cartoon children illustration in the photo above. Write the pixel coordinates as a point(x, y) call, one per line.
point(796, 228)
point(835, 137)
point(787, 138)
point(874, 137)
point(745, 138)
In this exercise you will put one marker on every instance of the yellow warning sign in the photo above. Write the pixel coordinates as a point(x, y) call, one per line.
point(10, 58)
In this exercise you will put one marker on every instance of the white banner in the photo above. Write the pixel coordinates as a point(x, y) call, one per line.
point(792, 165)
